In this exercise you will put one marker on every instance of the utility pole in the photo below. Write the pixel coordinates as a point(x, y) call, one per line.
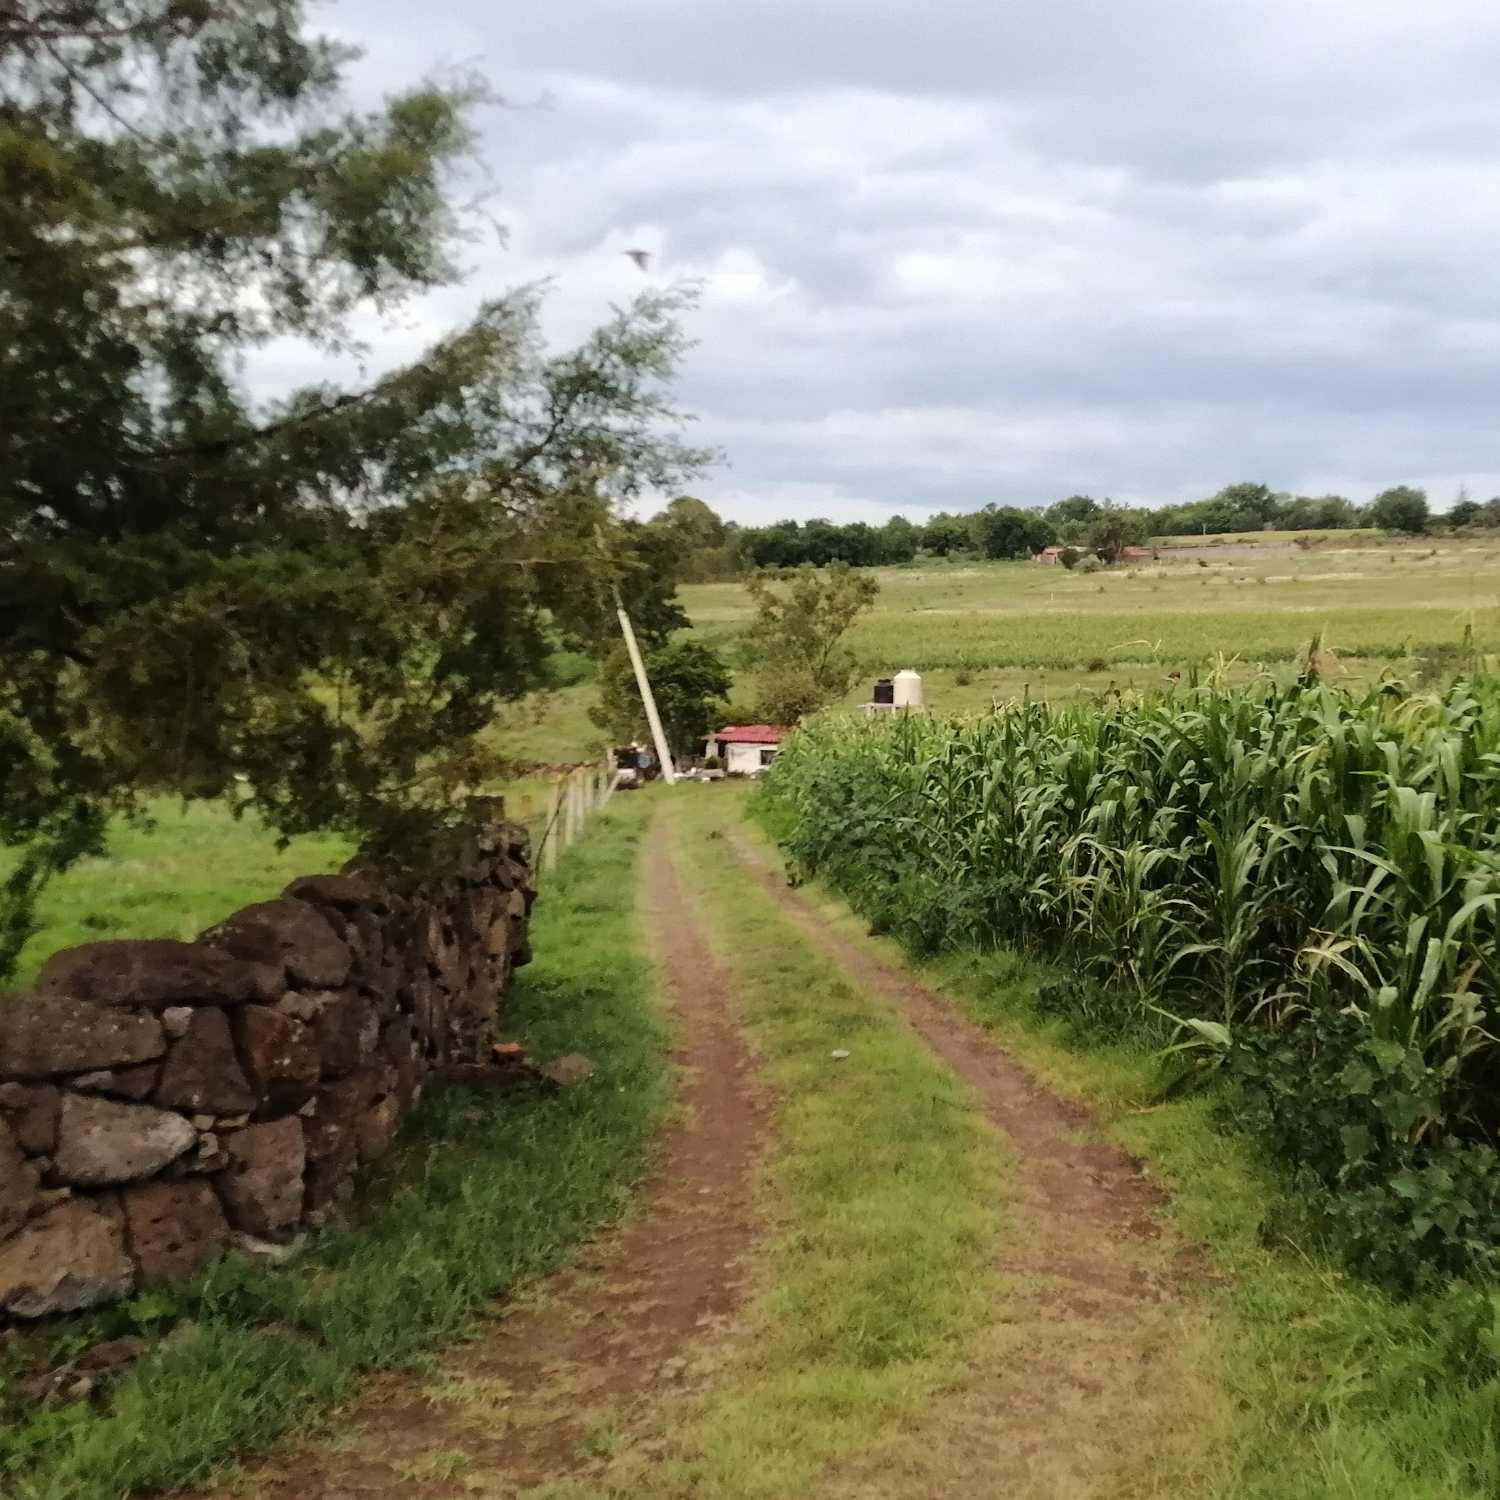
point(659, 739)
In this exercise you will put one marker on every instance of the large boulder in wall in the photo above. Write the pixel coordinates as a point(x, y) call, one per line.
point(291, 935)
point(101, 1142)
point(153, 973)
point(280, 1056)
point(202, 1073)
point(341, 892)
point(72, 1257)
point(262, 1188)
point(52, 1036)
point(173, 1227)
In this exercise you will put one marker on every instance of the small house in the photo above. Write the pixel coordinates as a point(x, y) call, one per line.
point(746, 749)
point(1050, 556)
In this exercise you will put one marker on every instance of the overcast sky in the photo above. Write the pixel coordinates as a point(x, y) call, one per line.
point(959, 251)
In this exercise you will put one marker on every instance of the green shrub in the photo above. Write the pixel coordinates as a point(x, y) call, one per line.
point(1360, 1114)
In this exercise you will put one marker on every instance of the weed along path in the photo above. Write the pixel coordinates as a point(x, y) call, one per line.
point(552, 1387)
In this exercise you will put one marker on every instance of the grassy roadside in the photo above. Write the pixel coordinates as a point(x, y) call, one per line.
point(482, 1192)
point(1337, 1389)
point(882, 1197)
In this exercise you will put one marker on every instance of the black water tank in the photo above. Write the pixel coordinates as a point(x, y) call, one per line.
point(885, 691)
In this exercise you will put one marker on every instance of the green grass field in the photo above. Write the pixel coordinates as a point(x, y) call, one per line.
point(1263, 538)
point(186, 868)
point(1370, 601)
point(977, 631)
point(985, 631)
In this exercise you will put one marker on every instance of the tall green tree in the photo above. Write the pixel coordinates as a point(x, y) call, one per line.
point(794, 648)
point(1071, 516)
point(945, 534)
point(1317, 512)
point(703, 540)
point(1005, 531)
point(1113, 529)
point(1247, 506)
point(321, 599)
point(689, 681)
point(1400, 508)
point(697, 522)
point(899, 540)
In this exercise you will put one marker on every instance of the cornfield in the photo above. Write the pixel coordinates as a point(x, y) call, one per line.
point(1240, 858)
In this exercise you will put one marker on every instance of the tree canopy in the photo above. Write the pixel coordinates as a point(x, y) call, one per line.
point(1400, 508)
point(689, 681)
point(1113, 529)
point(718, 549)
point(793, 648)
point(1071, 516)
point(318, 601)
point(1004, 531)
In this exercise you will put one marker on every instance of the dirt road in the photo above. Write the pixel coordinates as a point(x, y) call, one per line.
point(540, 1396)
point(1078, 1375)
point(1085, 1377)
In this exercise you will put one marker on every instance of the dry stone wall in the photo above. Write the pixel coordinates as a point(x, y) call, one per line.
point(159, 1100)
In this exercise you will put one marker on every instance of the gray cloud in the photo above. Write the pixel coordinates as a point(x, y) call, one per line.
point(963, 252)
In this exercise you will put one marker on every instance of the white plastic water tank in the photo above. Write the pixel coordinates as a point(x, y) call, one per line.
point(908, 689)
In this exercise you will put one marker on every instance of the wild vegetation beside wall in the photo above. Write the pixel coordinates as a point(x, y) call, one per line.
point(1295, 884)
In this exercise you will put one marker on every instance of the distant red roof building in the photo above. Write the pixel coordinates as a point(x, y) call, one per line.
point(752, 734)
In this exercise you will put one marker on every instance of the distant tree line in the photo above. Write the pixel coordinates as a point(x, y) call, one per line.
point(709, 547)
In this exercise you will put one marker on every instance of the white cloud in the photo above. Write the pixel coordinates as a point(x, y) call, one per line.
point(964, 252)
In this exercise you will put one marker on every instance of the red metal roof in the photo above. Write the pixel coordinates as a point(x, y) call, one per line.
point(752, 734)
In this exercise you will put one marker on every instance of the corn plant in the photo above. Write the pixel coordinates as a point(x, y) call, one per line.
point(1241, 857)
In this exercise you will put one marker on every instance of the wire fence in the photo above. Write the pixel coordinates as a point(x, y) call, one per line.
point(576, 797)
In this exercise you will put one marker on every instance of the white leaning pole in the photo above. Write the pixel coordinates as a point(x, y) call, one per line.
point(663, 755)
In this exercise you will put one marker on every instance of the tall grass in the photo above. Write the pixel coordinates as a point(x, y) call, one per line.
point(1240, 859)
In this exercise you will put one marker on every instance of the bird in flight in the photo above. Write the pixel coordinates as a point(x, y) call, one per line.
point(642, 258)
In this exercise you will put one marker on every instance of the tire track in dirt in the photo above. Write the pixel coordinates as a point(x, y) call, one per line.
point(1084, 1377)
point(617, 1331)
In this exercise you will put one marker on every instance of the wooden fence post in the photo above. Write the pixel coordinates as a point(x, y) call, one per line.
point(552, 833)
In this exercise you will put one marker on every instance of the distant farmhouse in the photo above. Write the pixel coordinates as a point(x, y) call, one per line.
point(747, 749)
